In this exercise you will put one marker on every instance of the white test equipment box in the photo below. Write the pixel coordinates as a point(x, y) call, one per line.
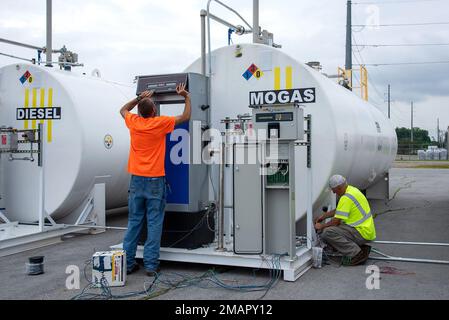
point(109, 267)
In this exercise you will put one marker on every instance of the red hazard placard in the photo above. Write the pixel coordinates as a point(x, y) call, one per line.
point(253, 68)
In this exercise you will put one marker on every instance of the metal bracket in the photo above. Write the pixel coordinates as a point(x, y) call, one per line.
point(94, 208)
point(308, 142)
point(49, 218)
point(392, 258)
point(3, 217)
point(86, 211)
point(31, 141)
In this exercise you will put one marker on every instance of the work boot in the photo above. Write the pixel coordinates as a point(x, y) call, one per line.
point(134, 268)
point(366, 250)
point(152, 273)
point(359, 258)
point(330, 251)
point(346, 261)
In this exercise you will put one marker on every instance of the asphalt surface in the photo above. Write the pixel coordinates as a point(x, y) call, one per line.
point(419, 211)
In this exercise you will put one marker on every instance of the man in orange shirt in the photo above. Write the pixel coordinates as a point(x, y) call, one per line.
point(147, 190)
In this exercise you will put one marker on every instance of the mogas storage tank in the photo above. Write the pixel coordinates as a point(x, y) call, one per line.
point(88, 143)
point(86, 139)
point(349, 136)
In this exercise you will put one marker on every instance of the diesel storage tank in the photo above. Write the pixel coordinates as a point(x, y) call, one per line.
point(349, 136)
point(86, 140)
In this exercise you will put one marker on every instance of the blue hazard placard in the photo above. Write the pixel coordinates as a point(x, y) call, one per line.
point(247, 75)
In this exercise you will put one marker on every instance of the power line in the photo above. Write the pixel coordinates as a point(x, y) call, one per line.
point(405, 63)
point(401, 24)
point(373, 101)
point(370, 74)
point(361, 58)
point(392, 2)
point(402, 45)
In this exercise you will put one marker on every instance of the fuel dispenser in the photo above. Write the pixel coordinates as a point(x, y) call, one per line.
point(188, 219)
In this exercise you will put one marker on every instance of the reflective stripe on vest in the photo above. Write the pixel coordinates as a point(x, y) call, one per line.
point(366, 216)
point(342, 213)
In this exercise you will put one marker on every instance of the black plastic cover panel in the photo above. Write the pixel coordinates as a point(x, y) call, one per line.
point(161, 84)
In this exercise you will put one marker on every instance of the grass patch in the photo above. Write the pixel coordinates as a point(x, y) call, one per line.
point(444, 166)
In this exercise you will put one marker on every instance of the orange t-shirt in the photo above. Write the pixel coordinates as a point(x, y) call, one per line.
point(147, 150)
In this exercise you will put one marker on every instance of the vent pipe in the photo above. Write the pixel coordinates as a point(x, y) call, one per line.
point(48, 48)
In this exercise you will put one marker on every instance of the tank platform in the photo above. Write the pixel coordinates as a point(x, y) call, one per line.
point(417, 212)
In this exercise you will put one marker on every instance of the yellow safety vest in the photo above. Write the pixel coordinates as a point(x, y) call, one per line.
point(354, 210)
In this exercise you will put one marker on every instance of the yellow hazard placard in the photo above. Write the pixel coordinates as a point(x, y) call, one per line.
point(258, 74)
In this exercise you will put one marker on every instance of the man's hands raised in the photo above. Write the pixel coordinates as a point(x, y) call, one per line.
point(181, 90)
point(146, 94)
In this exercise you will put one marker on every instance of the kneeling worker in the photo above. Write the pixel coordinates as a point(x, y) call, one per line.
point(352, 224)
point(147, 190)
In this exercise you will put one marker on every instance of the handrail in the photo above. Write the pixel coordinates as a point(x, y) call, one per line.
point(20, 44)
point(222, 21)
point(25, 45)
point(16, 57)
point(234, 11)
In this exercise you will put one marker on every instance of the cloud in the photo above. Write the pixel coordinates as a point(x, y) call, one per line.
point(127, 38)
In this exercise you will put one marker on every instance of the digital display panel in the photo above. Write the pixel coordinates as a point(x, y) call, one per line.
point(267, 117)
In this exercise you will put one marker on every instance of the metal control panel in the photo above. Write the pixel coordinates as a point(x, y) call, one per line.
point(283, 122)
point(8, 141)
point(264, 192)
point(188, 180)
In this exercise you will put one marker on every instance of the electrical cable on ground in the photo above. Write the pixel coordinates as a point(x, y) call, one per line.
point(401, 209)
point(165, 282)
point(408, 185)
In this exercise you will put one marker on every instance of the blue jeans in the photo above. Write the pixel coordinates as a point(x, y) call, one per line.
point(147, 197)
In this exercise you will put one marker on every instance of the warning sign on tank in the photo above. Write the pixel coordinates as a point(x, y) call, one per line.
point(48, 113)
point(108, 141)
point(252, 71)
point(26, 77)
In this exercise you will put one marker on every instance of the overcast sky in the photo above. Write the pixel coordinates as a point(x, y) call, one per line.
point(127, 38)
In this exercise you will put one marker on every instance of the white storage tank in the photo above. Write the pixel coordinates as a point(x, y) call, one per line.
point(87, 144)
point(349, 136)
point(436, 154)
point(429, 154)
point(421, 155)
point(443, 154)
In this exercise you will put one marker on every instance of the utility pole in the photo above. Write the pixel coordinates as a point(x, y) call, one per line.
point(438, 131)
point(256, 26)
point(411, 126)
point(48, 48)
point(389, 101)
point(348, 62)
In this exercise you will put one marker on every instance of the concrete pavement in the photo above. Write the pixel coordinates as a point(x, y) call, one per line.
point(418, 212)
